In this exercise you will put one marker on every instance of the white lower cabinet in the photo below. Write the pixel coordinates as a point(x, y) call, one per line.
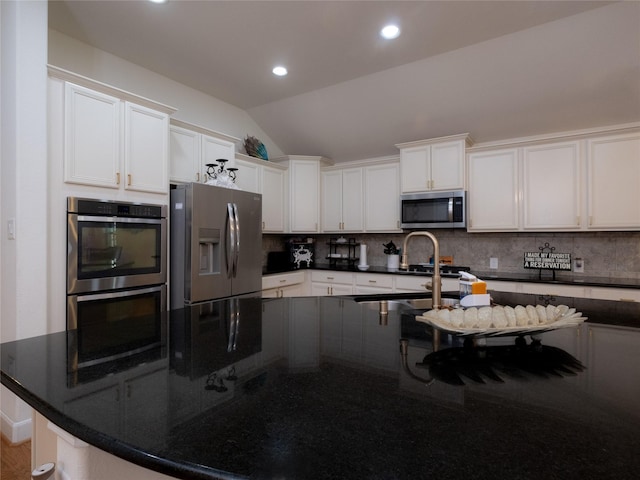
point(329, 282)
point(571, 291)
point(419, 284)
point(612, 293)
point(369, 283)
point(284, 285)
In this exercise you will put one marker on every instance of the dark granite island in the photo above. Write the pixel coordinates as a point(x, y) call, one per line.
point(314, 388)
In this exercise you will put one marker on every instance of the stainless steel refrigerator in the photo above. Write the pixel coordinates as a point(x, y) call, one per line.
point(216, 243)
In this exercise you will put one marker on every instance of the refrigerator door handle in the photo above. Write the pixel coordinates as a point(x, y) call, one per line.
point(230, 246)
point(236, 257)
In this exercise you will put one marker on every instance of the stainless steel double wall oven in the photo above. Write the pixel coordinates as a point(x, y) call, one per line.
point(116, 273)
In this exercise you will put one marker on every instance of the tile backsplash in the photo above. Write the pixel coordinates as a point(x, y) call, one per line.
point(605, 254)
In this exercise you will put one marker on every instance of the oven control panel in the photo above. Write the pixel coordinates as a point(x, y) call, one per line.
point(85, 206)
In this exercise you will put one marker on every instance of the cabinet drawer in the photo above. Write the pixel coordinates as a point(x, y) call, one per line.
point(617, 294)
point(412, 283)
point(282, 280)
point(552, 289)
point(332, 277)
point(373, 280)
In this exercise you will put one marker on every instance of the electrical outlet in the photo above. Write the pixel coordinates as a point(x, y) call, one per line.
point(578, 265)
point(493, 263)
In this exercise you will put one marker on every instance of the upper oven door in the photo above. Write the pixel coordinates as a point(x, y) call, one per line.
point(108, 253)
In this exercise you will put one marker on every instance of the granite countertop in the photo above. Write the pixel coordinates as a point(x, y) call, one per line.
point(533, 277)
point(314, 388)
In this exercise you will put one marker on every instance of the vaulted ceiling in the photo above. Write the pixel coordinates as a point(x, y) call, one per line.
point(494, 69)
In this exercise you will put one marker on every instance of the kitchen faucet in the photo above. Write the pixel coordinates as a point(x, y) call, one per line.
point(436, 282)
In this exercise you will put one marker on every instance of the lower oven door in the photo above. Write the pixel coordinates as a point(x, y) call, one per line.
point(115, 325)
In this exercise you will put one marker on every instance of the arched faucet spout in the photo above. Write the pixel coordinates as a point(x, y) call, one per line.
point(436, 280)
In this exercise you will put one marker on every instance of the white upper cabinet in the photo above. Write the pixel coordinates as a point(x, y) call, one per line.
point(146, 149)
point(342, 200)
point(274, 194)
point(585, 182)
point(193, 147)
point(552, 186)
point(304, 191)
point(93, 137)
point(184, 155)
point(111, 142)
point(382, 198)
point(214, 148)
point(304, 196)
point(613, 170)
point(436, 164)
point(493, 196)
point(259, 176)
point(249, 175)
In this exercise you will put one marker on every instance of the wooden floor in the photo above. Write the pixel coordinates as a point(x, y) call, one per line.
point(15, 461)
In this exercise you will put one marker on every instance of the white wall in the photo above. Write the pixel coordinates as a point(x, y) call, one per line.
point(23, 188)
point(193, 106)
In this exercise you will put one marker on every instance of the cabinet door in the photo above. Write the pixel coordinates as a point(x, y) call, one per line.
point(214, 148)
point(332, 201)
point(352, 200)
point(493, 198)
point(304, 205)
point(551, 187)
point(249, 176)
point(613, 168)
point(447, 165)
point(382, 198)
point(146, 152)
point(92, 139)
point(273, 195)
point(184, 157)
point(328, 289)
point(414, 162)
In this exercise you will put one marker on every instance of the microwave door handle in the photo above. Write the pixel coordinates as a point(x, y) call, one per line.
point(236, 257)
point(231, 240)
point(450, 209)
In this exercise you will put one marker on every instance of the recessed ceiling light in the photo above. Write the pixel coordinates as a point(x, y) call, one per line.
point(279, 71)
point(158, 1)
point(390, 31)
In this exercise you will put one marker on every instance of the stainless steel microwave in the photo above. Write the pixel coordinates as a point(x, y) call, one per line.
point(433, 210)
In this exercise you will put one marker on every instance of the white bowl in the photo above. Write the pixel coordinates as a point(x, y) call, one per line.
point(363, 267)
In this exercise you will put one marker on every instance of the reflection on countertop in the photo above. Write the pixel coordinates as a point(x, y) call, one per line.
point(313, 388)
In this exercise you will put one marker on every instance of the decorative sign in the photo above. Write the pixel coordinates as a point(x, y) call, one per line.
point(547, 260)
